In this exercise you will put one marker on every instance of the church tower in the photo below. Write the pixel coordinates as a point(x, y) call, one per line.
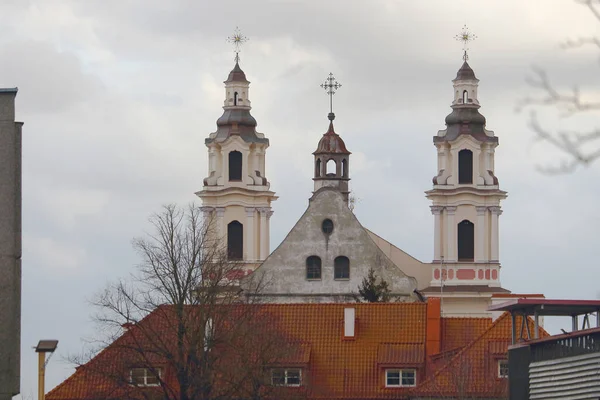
point(332, 159)
point(465, 205)
point(236, 193)
point(332, 162)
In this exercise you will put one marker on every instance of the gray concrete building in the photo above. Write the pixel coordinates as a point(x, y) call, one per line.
point(10, 246)
point(328, 252)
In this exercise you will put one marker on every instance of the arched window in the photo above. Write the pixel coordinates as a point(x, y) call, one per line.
point(235, 95)
point(345, 168)
point(331, 167)
point(341, 268)
point(235, 166)
point(235, 240)
point(465, 166)
point(465, 96)
point(313, 267)
point(466, 241)
point(318, 168)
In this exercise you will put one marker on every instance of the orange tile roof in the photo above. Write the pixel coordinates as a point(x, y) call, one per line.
point(386, 335)
point(472, 371)
point(409, 354)
point(458, 332)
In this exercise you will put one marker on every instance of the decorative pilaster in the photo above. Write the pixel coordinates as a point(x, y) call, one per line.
point(220, 222)
point(451, 234)
point(480, 238)
point(250, 234)
point(437, 233)
point(496, 212)
point(264, 232)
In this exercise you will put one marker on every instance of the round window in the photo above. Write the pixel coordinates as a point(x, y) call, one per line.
point(327, 226)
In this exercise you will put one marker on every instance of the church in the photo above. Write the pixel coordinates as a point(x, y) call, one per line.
point(328, 252)
point(434, 339)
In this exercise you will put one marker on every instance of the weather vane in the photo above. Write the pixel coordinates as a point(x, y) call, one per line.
point(465, 36)
point(237, 39)
point(331, 85)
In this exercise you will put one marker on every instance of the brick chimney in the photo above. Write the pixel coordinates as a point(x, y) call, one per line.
point(433, 331)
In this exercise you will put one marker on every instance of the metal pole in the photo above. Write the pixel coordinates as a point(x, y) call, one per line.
point(514, 327)
point(41, 373)
point(536, 322)
point(574, 318)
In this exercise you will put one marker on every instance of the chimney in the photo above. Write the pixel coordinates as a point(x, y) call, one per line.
point(349, 322)
point(434, 326)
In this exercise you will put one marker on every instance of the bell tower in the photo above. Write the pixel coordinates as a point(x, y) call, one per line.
point(332, 159)
point(236, 195)
point(466, 196)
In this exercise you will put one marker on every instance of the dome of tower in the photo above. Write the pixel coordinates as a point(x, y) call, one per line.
point(331, 143)
point(463, 115)
point(236, 75)
point(465, 72)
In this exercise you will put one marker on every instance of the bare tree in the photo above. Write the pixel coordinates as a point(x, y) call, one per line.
point(180, 329)
point(581, 148)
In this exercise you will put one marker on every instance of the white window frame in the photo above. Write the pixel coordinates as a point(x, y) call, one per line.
point(401, 373)
point(285, 377)
point(500, 363)
point(147, 374)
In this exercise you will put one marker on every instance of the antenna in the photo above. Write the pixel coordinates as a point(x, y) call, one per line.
point(442, 276)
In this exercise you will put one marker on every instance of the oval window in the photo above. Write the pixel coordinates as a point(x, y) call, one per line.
point(327, 226)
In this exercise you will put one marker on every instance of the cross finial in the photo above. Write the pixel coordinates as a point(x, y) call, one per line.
point(465, 36)
point(237, 39)
point(331, 85)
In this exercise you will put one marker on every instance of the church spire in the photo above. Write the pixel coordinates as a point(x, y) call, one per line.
point(332, 159)
point(236, 194)
point(465, 195)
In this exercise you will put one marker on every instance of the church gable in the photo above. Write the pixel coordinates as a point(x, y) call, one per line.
point(326, 255)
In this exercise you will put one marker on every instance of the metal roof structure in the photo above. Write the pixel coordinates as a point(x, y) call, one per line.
point(548, 307)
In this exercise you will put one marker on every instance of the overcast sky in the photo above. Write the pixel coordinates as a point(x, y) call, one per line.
point(118, 96)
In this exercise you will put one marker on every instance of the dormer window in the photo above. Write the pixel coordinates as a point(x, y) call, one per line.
point(286, 377)
point(400, 377)
point(145, 376)
point(502, 368)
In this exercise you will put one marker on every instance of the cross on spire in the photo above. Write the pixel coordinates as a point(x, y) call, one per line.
point(465, 36)
point(237, 39)
point(331, 85)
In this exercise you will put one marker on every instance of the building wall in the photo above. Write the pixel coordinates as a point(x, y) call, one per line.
point(566, 378)
point(285, 268)
point(471, 307)
point(422, 272)
point(10, 245)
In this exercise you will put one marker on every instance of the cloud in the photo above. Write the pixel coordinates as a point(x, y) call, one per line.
point(58, 257)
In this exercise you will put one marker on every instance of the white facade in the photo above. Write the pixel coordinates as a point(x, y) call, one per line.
point(466, 205)
point(236, 189)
